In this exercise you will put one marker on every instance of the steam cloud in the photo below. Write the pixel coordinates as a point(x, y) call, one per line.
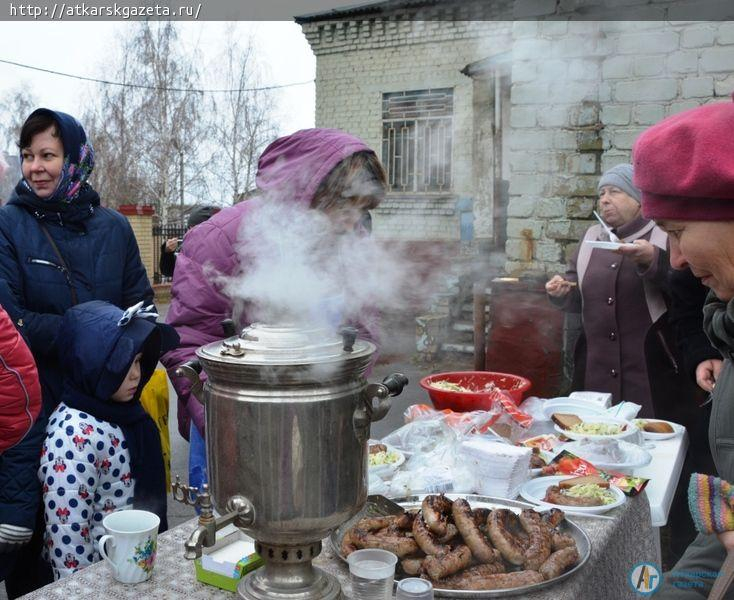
point(298, 268)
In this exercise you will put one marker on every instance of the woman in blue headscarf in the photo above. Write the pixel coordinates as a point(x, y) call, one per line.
point(58, 247)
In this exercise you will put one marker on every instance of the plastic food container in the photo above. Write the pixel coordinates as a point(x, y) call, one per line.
point(515, 386)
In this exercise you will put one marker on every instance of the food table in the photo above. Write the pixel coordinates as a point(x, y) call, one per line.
point(616, 546)
point(664, 473)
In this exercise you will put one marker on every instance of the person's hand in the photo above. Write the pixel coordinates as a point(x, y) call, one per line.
point(171, 245)
point(641, 252)
point(558, 287)
point(727, 540)
point(707, 372)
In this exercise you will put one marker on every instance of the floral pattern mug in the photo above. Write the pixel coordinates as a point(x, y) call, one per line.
point(130, 544)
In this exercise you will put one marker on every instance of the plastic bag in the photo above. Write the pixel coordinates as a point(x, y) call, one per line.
point(434, 472)
point(154, 399)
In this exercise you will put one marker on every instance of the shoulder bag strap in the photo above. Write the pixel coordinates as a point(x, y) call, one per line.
point(74, 298)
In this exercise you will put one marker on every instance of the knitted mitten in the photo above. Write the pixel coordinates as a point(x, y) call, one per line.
point(710, 500)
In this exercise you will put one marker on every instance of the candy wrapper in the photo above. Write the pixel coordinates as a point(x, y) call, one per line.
point(545, 442)
point(567, 463)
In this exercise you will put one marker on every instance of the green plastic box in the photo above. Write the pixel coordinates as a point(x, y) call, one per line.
point(230, 559)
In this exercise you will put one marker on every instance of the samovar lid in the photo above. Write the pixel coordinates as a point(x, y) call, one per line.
point(284, 344)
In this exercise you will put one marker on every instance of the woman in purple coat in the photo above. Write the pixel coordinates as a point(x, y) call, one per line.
point(323, 169)
point(625, 347)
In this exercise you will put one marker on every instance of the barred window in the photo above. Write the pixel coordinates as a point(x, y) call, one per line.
point(416, 140)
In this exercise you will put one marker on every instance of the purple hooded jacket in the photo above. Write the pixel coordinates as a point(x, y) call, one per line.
point(295, 164)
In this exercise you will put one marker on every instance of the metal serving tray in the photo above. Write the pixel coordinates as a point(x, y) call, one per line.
point(380, 506)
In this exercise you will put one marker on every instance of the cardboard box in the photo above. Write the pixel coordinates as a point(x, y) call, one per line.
point(230, 559)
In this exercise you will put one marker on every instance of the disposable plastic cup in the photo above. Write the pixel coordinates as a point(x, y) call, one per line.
point(372, 573)
point(414, 588)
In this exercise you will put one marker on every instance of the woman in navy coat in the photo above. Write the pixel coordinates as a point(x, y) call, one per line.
point(58, 246)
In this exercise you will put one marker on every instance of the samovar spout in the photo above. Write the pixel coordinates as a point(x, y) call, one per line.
point(198, 539)
point(239, 511)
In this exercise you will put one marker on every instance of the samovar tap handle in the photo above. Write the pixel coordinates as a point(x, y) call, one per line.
point(392, 385)
point(191, 371)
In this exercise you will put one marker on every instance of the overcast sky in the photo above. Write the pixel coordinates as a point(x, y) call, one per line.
point(83, 48)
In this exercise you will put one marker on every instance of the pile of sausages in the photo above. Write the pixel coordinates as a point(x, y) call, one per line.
point(460, 548)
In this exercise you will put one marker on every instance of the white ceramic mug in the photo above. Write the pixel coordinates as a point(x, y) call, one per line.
point(132, 539)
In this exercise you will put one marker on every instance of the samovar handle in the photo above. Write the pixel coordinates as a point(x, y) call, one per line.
point(392, 385)
point(191, 370)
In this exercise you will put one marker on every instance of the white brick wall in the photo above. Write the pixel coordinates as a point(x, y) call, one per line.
point(582, 91)
point(650, 70)
point(351, 79)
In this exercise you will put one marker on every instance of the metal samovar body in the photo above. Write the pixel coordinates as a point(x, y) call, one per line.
point(288, 413)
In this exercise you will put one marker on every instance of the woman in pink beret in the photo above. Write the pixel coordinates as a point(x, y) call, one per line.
point(684, 167)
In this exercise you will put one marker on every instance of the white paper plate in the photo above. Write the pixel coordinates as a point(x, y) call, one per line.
point(635, 456)
point(387, 470)
point(534, 491)
point(602, 245)
point(571, 406)
point(647, 435)
point(629, 432)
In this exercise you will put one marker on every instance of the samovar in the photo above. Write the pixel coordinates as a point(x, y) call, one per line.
point(288, 413)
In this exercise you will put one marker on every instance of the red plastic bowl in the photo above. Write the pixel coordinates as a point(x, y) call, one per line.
point(515, 386)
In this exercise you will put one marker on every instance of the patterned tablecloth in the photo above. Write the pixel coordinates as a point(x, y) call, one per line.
point(616, 547)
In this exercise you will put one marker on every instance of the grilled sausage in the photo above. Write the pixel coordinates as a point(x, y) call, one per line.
point(561, 540)
point(451, 532)
point(375, 523)
point(497, 581)
point(480, 516)
point(347, 546)
point(448, 563)
point(553, 517)
point(412, 566)
point(401, 546)
point(538, 548)
point(559, 562)
point(481, 549)
point(435, 510)
point(498, 527)
point(405, 521)
point(475, 572)
point(425, 539)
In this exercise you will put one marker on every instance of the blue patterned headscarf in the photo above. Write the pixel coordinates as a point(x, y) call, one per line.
point(78, 157)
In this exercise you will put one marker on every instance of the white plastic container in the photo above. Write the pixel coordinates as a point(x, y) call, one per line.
point(372, 573)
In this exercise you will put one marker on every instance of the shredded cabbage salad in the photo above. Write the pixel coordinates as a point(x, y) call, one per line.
point(597, 428)
point(591, 490)
point(384, 458)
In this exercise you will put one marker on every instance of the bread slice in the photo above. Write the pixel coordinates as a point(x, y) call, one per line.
point(565, 420)
point(584, 479)
point(658, 427)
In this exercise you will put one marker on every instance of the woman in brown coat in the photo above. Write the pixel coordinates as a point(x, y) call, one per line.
point(625, 348)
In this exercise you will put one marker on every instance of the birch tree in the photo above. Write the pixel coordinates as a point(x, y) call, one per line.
point(242, 125)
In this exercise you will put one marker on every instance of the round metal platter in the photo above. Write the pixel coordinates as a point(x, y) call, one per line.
point(583, 543)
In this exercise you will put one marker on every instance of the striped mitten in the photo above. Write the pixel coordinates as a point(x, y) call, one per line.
point(710, 500)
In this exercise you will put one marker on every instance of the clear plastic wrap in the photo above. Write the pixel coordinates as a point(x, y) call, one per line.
point(432, 443)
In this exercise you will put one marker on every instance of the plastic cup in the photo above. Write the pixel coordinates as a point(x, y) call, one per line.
point(372, 572)
point(414, 588)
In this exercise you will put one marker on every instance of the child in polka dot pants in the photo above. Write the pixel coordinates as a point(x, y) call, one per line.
point(102, 452)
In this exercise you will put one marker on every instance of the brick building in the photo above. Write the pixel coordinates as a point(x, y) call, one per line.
point(498, 129)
